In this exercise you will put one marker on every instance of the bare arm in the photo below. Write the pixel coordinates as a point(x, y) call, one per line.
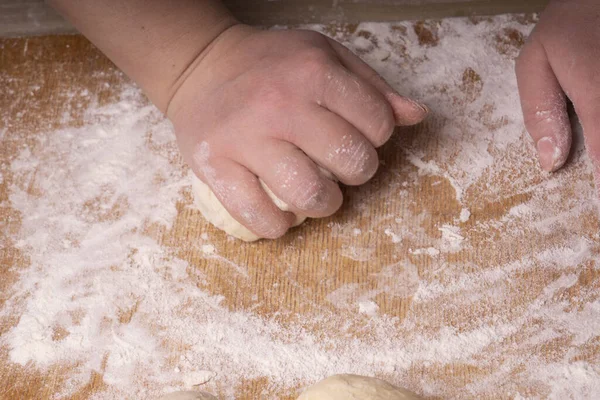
point(155, 42)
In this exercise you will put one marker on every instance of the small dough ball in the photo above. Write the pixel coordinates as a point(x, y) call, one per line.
point(214, 212)
point(189, 395)
point(355, 387)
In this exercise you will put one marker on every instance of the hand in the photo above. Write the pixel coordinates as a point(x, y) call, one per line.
point(276, 105)
point(562, 59)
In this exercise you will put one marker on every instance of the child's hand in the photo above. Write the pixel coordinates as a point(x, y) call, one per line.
point(276, 105)
point(562, 56)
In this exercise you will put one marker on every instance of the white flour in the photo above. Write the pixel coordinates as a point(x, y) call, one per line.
point(88, 267)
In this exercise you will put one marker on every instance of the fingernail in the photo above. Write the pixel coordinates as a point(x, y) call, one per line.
point(548, 153)
point(418, 106)
point(421, 106)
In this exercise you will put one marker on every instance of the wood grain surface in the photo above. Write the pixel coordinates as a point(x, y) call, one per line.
point(289, 280)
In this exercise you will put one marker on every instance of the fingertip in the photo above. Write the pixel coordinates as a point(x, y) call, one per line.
point(550, 156)
point(318, 198)
point(407, 111)
point(275, 231)
point(553, 139)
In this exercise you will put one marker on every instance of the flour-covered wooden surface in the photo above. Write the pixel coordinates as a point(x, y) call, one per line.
point(460, 271)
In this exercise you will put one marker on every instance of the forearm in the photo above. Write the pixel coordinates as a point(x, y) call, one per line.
point(153, 41)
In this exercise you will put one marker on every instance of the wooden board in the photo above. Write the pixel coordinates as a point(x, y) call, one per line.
point(291, 280)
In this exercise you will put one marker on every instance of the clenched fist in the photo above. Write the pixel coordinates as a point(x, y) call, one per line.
point(279, 106)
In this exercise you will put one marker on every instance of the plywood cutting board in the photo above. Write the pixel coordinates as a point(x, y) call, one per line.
point(399, 248)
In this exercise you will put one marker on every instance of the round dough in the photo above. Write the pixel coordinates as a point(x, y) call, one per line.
point(189, 395)
point(214, 212)
point(355, 387)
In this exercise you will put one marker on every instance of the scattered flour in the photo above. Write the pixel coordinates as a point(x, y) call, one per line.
point(451, 238)
point(465, 214)
point(208, 248)
point(368, 307)
point(430, 251)
point(357, 253)
point(391, 234)
point(124, 302)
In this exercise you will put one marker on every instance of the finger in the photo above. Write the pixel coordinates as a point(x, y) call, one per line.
point(295, 179)
point(588, 111)
point(335, 145)
point(357, 101)
point(241, 193)
point(544, 106)
point(406, 111)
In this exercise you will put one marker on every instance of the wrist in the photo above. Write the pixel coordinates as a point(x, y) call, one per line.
point(209, 66)
point(179, 61)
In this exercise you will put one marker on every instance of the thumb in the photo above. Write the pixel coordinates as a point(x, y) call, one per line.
point(406, 111)
point(544, 106)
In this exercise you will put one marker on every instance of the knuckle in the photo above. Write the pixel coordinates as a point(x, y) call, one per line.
point(272, 101)
point(314, 64)
point(284, 129)
point(271, 94)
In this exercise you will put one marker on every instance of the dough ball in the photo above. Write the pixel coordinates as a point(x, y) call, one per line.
point(355, 387)
point(189, 395)
point(214, 212)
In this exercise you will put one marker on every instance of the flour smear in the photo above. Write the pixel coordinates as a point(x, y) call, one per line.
point(102, 295)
